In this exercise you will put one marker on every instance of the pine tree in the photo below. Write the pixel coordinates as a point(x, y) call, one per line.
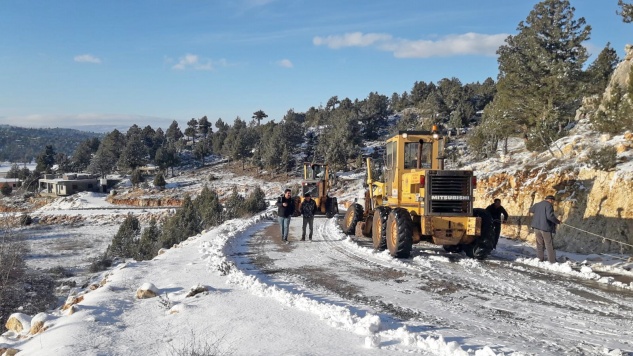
point(147, 137)
point(234, 206)
point(201, 149)
point(103, 162)
point(191, 130)
point(173, 133)
point(256, 201)
point(185, 223)
point(374, 111)
point(148, 245)
point(204, 126)
point(540, 70)
point(46, 159)
point(209, 207)
point(259, 115)
point(616, 113)
point(137, 177)
point(159, 180)
point(125, 244)
point(134, 153)
point(626, 11)
point(599, 72)
point(83, 154)
point(236, 145)
point(167, 157)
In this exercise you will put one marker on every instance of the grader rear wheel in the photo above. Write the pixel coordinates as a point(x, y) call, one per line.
point(379, 228)
point(353, 215)
point(399, 233)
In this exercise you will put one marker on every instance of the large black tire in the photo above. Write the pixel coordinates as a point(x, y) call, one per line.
point(482, 246)
point(352, 217)
point(331, 207)
point(399, 233)
point(379, 228)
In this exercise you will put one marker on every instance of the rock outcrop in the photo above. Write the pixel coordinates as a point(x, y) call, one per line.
point(594, 201)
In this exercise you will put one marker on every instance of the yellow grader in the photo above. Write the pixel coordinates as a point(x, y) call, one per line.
point(420, 201)
point(317, 181)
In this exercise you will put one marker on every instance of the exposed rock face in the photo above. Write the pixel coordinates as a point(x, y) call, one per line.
point(595, 201)
point(145, 201)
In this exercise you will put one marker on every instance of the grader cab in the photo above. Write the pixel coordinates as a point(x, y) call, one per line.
point(420, 201)
point(317, 181)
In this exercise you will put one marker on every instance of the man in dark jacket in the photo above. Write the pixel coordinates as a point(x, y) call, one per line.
point(495, 209)
point(285, 209)
point(544, 223)
point(307, 209)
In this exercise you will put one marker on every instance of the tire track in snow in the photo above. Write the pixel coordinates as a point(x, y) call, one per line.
point(502, 284)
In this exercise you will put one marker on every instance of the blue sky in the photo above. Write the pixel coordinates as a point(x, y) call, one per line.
point(68, 63)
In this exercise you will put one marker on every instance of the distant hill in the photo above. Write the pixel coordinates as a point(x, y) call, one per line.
point(18, 144)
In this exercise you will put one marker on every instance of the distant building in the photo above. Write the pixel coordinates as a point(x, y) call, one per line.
point(72, 183)
point(11, 182)
point(149, 169)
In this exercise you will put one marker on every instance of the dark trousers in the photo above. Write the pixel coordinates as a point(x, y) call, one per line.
point(497, 226)
point(307, 221)
point(545, 240)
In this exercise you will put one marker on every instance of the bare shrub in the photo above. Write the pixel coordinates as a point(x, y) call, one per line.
point(201, 345)
point(20, 287)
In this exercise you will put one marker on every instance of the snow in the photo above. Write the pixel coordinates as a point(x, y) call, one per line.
point(240, 310)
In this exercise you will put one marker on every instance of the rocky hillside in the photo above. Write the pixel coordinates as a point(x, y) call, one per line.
point(588, 198)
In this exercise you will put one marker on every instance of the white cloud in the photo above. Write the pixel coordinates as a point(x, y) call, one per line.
point(354, 39)
point(192, 61)
point(450, 45)
point(87, 58)
point(285, 63)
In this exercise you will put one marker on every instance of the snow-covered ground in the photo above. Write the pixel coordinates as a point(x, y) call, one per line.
point(246, 311)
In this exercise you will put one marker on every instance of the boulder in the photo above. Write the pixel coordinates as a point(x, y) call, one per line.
point(37, 323)
point(8, 352)
point(18, 322)
point(146, 291)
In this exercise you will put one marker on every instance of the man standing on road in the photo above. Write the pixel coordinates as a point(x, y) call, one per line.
point(495, 209)
point(286, 207)
point(544, 223)
point(307, 209)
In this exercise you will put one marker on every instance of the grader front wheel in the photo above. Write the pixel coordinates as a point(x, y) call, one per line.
point(399, 233)
point(379, 228)
point(353, 215)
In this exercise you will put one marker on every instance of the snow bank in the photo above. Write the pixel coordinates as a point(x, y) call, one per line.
point(585, 272)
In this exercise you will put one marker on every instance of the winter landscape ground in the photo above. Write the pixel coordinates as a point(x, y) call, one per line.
point(335, 295)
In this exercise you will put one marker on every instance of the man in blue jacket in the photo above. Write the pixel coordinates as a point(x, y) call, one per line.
point(285, 209)
point(544, 223)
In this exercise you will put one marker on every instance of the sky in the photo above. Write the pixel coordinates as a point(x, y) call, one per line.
point(77, 63)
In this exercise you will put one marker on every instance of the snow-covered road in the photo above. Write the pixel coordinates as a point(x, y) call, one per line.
point(505, 304)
